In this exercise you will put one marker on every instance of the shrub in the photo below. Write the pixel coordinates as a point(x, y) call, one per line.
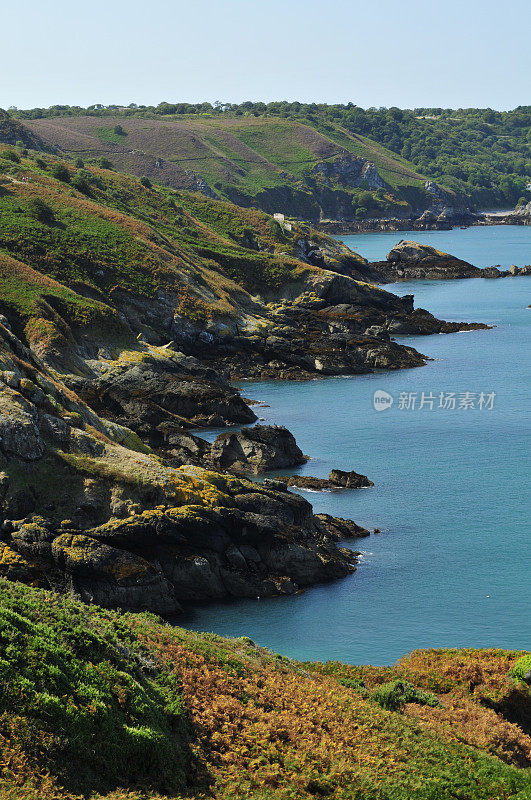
point(61, 173)
point(275, 230)
point(119, 131)
point(394, 695)
point(146, 182)
point(521, 668)
point(354, 683)
point(105, 163)
point(80, 183)
point(79, 163)
point(41, 211)
point(11, 156)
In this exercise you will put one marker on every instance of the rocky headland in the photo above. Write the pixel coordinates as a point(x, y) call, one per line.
point(126, 312)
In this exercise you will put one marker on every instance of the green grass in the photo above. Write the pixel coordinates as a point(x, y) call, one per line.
point(110, 135)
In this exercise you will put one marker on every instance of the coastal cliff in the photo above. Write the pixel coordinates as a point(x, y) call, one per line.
point(126, 310)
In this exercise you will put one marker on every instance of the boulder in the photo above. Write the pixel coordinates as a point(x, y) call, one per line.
point(349, 480)
point(257, 449)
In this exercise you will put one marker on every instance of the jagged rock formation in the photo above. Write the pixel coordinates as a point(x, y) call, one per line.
point(348, 170)
point(257, 449)
point(445, 207)
point(413, 261)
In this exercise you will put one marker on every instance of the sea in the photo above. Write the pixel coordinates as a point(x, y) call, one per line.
point(448, 450)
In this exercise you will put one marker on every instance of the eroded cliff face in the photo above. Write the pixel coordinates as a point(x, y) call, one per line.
point(88, 509)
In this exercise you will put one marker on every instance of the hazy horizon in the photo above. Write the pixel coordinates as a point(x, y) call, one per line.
point(380, 55)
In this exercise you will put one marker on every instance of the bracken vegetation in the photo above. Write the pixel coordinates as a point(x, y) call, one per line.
point(122, 706)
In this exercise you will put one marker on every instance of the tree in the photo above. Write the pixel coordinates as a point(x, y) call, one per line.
point(61, 173)
point(41, 211)
point(80, 183)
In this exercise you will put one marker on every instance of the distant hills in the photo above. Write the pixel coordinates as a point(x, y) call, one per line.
point(276, 165)
point(310, 162)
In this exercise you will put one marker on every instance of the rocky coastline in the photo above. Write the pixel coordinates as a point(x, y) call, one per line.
point(107, 489)
point(437, 219)
point(108, 495)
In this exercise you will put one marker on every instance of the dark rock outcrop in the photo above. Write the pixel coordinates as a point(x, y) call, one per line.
point(350, 480)
point(261, 541)
point(86, 508)
point(409, 261)
point(513, 271)
point(341, 528)
point(337, 479)
point(257, 449)
point(157, 394)
point(310, 483)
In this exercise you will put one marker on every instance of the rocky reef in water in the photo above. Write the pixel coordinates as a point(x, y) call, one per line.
point(411, 261)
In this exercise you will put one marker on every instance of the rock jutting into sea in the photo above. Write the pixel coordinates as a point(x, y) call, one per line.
point(337, 479)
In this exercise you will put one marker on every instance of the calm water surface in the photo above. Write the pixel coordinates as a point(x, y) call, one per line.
point(453, 562)
point(483, 247)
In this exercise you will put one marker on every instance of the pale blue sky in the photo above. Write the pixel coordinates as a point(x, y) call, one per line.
point(456, 53)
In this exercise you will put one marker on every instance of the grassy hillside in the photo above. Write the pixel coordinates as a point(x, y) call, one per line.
point(262, 161)
point(481, 154)
point(73, 238)
point(127, 707)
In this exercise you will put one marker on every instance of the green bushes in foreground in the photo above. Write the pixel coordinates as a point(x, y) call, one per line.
point(521, 668)
point(394, 695)
point(81, 677)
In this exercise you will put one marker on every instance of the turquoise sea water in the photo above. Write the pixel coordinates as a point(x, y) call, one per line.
point(452, 565)
point(481, 246)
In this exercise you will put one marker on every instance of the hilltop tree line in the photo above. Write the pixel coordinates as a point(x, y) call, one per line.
point(481, 153)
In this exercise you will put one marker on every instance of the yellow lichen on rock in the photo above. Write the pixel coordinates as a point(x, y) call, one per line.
point(10, 558)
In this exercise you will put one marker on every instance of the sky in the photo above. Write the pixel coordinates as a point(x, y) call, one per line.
point(452, 54)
